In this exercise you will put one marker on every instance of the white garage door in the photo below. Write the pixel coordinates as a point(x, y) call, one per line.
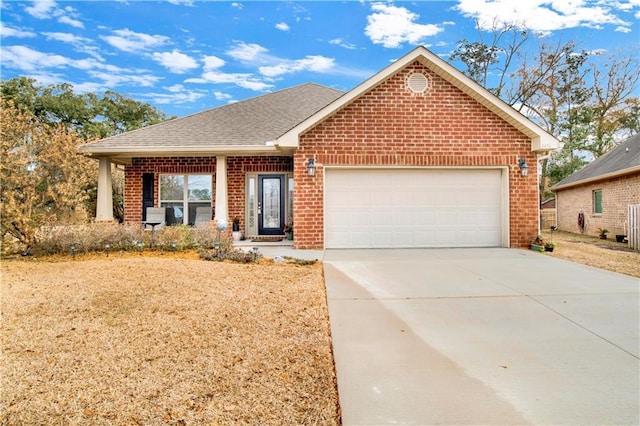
point(376, 208)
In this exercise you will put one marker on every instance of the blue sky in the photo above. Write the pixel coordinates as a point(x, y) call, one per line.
point(186, 56)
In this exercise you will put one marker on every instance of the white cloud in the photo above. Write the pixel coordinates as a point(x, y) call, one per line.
point(196, 80)
point(244, 80)
point(282, 26)
point(130, 41)
point(181, 2)
point(70, 21)
point(270, 66)
point(340, 42)
point(246, 52)
point(47, 79)
point(175, 61)
point(175, 88)
point(543, 16)
point(41, 9)
point(237, 5)
point(212, 62)
point(27, 59)
point(181, 97)
point(113, 80)
point(47, 9)
point(45, 64)
point(313, 63)
point(65, 37)
point(14, 32)
point(80, 44)
point(222, 96)
point(392, 26)
point(623, 29)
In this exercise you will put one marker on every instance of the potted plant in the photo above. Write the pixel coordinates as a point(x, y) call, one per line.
point(602, 233)
point(235, 227)
point(537, 243)
point(549, 246)
point(288, 230)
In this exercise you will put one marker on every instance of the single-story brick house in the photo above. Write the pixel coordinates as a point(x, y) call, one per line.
point(418, 155)
point(601, 191)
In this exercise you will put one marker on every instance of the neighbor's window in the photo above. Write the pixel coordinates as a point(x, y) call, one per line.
point(184, 193)
point(597, 201)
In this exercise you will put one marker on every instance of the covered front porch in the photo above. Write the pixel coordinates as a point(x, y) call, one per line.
point(254, 191)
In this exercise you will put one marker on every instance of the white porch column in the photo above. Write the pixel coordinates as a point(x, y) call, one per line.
point(221, 203)
point(104, 210)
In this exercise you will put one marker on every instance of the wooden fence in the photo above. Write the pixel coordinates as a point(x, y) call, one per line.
point(634, 226)
point(547, 218)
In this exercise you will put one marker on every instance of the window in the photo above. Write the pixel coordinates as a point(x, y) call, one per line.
point(184, 193)
point(597, 201)
point(290, 200)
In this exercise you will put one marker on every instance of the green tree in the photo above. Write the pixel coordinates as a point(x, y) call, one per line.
point(89, 115)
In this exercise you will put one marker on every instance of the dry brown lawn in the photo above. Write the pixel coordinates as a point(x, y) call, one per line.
point(164, 340)
point(606, 254)
point(170, 339)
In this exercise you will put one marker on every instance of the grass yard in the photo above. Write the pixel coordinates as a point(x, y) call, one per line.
point(165, 340)
point(588, 250)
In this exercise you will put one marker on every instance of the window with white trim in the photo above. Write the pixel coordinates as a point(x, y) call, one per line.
point(184, 193)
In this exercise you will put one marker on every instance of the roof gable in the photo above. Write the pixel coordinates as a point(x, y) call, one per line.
point(540, 139)
point(623, 159)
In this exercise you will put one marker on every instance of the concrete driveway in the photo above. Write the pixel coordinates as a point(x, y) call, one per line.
point(482, 336)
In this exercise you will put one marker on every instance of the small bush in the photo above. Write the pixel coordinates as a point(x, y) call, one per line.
point(91, 237)
point(225, 251)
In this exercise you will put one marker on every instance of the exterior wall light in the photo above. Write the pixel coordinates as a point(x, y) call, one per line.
point(311, 167)
point(524, 167)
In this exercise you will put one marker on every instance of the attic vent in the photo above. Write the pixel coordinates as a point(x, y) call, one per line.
point(417, 83)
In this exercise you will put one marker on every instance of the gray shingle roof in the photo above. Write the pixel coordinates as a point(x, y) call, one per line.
point(625, 156)
point(250, 122)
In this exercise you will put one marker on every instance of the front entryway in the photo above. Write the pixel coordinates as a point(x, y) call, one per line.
point(269, 200)
point(271, 204)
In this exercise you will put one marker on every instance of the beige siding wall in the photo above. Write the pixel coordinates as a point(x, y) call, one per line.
point(617, 194)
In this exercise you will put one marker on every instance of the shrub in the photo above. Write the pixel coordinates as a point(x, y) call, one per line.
point(225, 251)
point(92, 237)
point(58, 239)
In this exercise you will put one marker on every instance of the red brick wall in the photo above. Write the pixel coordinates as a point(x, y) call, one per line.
point(617, 194)
point(236, 169)
point(390, 126)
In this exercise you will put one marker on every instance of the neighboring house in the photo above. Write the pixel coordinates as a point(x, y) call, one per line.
point(418, 155)
point(548, 204)
point(601, 191)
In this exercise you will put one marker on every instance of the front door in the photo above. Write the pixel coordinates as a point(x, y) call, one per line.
point(271, 204)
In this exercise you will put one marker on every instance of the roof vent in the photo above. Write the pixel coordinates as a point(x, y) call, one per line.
point(417, 83)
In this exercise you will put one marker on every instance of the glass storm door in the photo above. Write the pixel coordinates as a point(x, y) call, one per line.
point(271, 205)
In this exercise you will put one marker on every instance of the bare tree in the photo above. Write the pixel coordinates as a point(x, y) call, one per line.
point(43, 177)
point(495, 57)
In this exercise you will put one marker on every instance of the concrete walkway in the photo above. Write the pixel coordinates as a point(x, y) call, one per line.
point(482, 336)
